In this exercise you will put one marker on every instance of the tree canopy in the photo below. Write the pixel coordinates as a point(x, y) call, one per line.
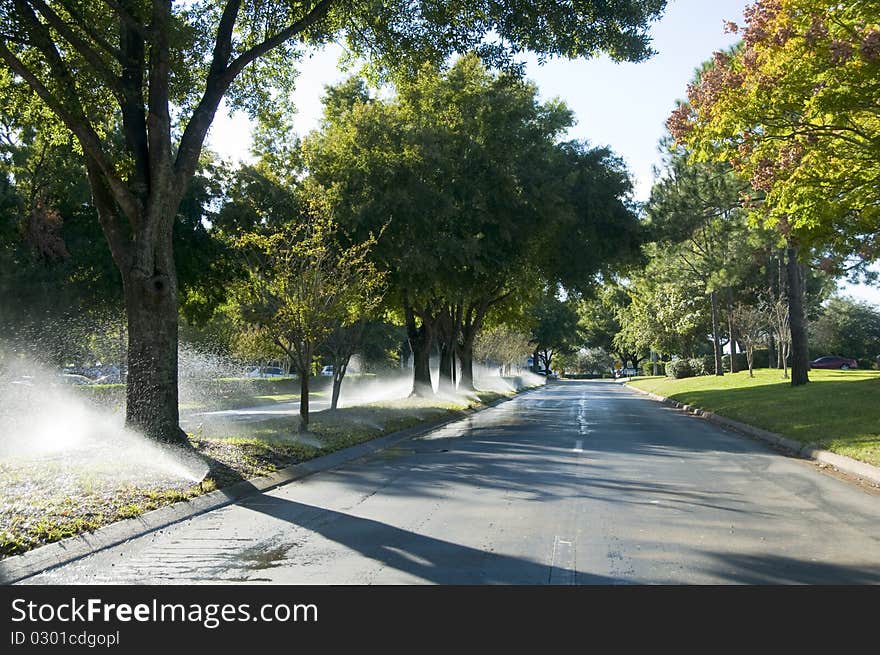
point(138, 82)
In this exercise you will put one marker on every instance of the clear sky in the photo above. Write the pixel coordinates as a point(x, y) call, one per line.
point(623, 106)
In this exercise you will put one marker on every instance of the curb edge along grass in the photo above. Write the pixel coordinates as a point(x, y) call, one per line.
point(848, 465)
point(43, 558)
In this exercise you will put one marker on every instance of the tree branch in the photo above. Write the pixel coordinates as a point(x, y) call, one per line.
point(83, 48)
point(82, 130)
point(222, 76)
point(118, 241)
point(83, 24)
point(129, 19)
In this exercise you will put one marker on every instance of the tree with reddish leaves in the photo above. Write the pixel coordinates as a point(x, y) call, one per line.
point(794, 109)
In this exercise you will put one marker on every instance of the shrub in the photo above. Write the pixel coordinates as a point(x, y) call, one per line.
point(648, 368)
point(704, 365)
point(680, 368)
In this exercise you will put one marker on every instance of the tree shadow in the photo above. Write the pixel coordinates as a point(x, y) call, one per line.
point(428, 558)
point(780, 570)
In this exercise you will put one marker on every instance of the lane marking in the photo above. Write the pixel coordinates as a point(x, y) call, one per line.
point(563, 569)
point(579, 446)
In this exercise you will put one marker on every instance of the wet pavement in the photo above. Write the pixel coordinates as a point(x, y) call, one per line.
point(576, 483)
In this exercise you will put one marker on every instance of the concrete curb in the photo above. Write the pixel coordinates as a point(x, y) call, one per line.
point(18, 567)
point(848, 465)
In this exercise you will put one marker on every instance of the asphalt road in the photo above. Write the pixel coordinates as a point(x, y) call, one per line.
point(576, 483)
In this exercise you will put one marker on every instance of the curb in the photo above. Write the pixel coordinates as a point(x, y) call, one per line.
point(842, 463)
point(43, 558)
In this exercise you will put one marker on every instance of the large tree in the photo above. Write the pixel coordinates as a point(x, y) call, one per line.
point(478, 200)
point(160, 70)
point(794, 109)
point(452, 170)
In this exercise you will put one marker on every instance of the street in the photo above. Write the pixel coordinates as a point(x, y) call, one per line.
point(578, 482)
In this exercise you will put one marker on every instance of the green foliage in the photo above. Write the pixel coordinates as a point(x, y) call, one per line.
point(847, 328)
point(555, 330)
point(648, 368)
point(793, 109)
point(302, 284)
point(680, 368)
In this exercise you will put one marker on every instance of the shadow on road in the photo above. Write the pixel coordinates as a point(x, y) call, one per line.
point(427, 558)
point(780, 570)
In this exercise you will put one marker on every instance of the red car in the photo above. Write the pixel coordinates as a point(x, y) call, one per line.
point(842, 363)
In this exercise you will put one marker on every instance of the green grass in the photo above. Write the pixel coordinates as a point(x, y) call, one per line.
point(837, 411)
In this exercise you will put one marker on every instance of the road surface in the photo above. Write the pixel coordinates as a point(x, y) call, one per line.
point(575, 483)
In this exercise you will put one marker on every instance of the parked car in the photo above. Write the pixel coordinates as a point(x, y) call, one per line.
point(327, 371)
point(551, 375)
point(842, 363)
point(267, 372)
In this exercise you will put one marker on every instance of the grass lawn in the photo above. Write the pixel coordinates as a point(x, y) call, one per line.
point(837, 411)
point(45, 501)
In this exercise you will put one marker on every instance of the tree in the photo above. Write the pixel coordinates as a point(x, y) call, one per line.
point(751, 325)
point(503, 346)
point(780, 322)
point(483, 203)
point(694, 212)
point(793, 108)
point(160, 72)
point(303, 287)
point(60, 290)
point(594, 361)
point(848, 328)
point(555, 330)
point(606, 322)
point(666, 312)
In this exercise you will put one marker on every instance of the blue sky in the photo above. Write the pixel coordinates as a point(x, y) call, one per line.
point(623, 106)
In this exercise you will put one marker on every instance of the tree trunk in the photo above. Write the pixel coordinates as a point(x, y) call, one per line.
point(466, 357)
point(471, 324)
point(731, 328)
point(151, 309)
point(339, 369)
point(304, 399)
point(716, 342)
point(771, 352)
point(445, 384)
point(800, 359)
point(782, 288)
point(420, 338)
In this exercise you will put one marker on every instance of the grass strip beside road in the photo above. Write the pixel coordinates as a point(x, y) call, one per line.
point(44, 501)
point(837, 411)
